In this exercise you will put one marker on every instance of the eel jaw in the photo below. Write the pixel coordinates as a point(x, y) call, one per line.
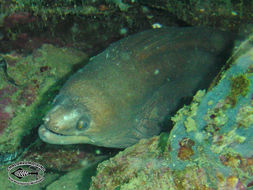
point(53, 138)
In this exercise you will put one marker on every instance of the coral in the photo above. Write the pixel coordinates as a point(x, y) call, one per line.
point(209, 147)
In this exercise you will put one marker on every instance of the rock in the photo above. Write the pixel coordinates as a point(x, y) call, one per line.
point(77, 179)
point(226, 14)
point(35, 80)
point(63, 158)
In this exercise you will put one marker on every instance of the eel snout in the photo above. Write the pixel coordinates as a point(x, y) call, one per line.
point(60, 119)
point(59, 124)
point(65, 123)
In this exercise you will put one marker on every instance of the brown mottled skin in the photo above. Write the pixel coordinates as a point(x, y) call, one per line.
point(125, 92)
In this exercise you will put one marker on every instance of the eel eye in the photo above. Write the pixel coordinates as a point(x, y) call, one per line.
point(82, 124)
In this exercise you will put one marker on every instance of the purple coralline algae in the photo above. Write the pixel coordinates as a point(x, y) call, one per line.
point(37, 79)
point(209, 147)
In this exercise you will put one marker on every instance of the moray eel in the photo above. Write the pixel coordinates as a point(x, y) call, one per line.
point(124, 93)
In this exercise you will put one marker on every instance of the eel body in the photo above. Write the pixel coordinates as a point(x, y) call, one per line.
point(124, 93)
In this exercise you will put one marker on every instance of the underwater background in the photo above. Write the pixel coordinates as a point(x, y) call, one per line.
point(207, 144)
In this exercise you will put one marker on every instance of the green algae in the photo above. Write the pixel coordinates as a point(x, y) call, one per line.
point(240, 85)
point(163, 141)
point(117, 188)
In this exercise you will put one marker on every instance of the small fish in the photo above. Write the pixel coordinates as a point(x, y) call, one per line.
point(124, 94)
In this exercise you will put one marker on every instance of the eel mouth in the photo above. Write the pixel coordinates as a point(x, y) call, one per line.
point(52, 137)
point(51, 131)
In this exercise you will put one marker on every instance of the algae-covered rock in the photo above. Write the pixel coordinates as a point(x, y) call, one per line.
point(63, 158)
point(209, 147)
point(75, 180)
point(226, 14)
point(26, 92)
